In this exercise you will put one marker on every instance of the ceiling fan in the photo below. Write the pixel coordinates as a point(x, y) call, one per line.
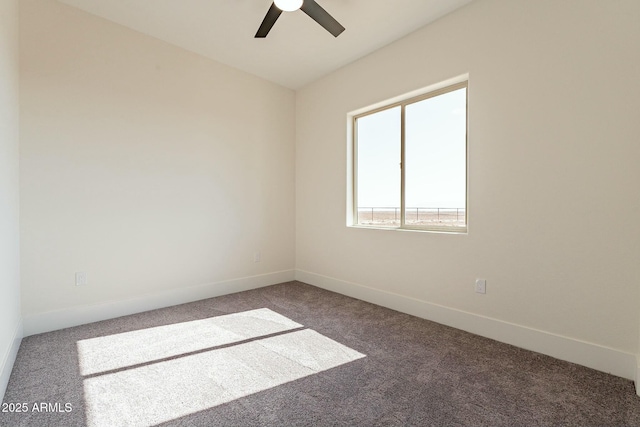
point(310, 7)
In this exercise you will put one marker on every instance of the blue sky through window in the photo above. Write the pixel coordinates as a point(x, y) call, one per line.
point(435, 155)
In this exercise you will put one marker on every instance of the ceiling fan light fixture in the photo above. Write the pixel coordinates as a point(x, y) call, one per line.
point(288, 5)
point(310, 7)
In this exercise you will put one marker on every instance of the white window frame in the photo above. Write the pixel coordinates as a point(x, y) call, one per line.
point(352, 157)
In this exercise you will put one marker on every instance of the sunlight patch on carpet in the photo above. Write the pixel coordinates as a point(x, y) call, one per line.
point(143, 396)
point(117, 351)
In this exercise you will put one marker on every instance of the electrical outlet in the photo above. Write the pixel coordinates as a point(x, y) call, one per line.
point(81, 278)
point(257, 256)
point(481, 286)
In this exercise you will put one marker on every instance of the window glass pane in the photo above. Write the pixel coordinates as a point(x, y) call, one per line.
point(435, 157)
point(378, 168)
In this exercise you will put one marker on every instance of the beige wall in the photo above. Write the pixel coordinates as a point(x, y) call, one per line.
point(148, 167)
point(9, 192)
point(554, 97)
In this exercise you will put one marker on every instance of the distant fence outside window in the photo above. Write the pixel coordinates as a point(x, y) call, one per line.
point(390, 216)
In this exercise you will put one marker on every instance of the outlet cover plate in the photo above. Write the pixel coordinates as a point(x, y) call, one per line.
point(81, 278)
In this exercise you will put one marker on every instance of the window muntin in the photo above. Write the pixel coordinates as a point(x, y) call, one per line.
point(410, 163)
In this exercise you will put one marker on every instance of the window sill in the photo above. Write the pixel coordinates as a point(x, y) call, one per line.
point(438, 230)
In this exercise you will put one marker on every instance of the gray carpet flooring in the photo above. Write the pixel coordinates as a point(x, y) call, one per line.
point(295, 355)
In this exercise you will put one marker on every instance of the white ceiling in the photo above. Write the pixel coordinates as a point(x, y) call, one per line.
point(297, 51)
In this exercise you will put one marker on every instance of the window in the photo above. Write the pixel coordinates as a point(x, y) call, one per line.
point(410, 163)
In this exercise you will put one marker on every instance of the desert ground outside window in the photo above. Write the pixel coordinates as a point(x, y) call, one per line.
point(409, 163)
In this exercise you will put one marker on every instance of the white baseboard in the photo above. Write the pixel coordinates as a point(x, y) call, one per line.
point(637, 375)
point(75, 316)
point(587, 354)
point(9, 359)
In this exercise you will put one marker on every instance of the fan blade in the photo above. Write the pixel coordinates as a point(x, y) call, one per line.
point(267, 23)
point(322, 17)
